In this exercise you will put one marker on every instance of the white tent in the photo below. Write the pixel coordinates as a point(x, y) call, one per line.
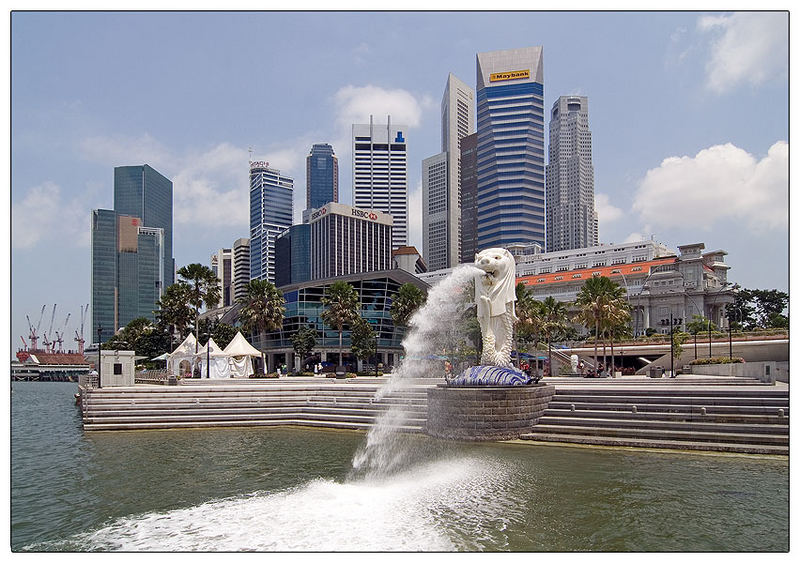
point(216, 359)
point(183, 353)
point(239, 352)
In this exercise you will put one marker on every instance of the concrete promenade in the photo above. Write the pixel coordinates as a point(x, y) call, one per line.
point(689, 412)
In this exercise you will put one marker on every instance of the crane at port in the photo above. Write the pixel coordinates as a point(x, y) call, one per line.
point(60, 335)
point(79, 337)
point(48, 341)
point(34, 334)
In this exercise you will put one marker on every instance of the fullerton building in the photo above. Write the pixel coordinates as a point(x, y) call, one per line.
point(347, 240)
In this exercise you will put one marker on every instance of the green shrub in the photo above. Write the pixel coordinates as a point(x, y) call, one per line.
point(716, 360)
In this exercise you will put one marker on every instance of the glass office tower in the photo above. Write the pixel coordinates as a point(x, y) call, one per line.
point(270, 214)
point(510, 127)
point(140, 191)
point(131, 250)
point(322, 176)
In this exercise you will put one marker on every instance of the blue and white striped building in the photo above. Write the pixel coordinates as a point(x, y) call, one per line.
point(510, 126)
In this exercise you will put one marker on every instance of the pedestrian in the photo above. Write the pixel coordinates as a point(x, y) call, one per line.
point(581, 367)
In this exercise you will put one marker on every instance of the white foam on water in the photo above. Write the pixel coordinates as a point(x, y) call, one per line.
point(421, 509)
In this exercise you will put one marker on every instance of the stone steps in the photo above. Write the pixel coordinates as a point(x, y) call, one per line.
point(667, 444)
point(745, 420)
point(187, 407)
point(679, 415)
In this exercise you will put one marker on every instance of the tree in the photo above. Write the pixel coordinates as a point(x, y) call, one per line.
point(769, 306)
point(303, 341)
point(222, 333)
point(699, 324)
point(341, 304)
point(596, 299)
point(174, 311)
point(529, 316)
point(553, 322)
point(262, 308)
point(363, 343)
point(617, 323)
point(203, 290)
point(408, 299)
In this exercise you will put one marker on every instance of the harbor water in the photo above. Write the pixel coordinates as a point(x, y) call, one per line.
point(296, 489)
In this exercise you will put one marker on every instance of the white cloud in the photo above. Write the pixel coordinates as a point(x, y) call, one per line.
point(634, 237)
point(44, 216)
point(751, 47)
point(721, 184)
point(209, 186)
point(356, 103)
point(606, 212)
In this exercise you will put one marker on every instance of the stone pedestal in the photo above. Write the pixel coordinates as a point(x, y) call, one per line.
point(484, 413)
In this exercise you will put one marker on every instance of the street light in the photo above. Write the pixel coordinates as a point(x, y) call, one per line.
point(99, 353)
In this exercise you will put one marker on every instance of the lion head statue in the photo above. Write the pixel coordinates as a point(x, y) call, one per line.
point(498, 282)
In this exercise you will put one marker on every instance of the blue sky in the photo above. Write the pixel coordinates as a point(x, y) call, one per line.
point(688, 111)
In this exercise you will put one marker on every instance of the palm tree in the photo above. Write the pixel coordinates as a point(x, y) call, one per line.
point(619, 317)
point(529, 316)
point(554, 321)
point(596, 299)
point(262, 308)
point(174, 310)
point(405, 303)
point(203, 289)
point(341, 303)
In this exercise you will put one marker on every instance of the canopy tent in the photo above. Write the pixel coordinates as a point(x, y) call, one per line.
point(239, 352)
point(183, 353)
point(162, 357)
point(215, 358)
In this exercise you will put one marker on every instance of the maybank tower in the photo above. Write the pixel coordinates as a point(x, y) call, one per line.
point(510, 151)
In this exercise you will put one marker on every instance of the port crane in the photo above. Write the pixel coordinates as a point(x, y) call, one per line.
point(47, 339)
point(34, 334)
point(79, 337)
point(60, 335)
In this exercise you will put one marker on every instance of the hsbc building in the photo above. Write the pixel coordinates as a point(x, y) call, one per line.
point(348, 240)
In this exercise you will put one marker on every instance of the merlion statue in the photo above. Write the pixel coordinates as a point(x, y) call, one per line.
point(495, 294)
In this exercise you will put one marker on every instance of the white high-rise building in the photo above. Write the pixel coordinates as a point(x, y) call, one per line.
point(571, 216)
point(222, 266)
point(441, 179)
point(241, 268)
point(271, 213)
point(380, 173)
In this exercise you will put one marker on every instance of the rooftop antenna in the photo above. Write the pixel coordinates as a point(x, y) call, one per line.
point(250, 154)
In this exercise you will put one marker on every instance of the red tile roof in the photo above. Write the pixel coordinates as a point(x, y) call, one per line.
point(635, 268)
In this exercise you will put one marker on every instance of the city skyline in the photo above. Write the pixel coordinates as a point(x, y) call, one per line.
point(685, 145)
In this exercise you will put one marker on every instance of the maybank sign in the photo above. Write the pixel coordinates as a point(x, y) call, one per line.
point(511, 75)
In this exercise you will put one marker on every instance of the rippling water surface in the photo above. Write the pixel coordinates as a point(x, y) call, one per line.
point(287, 489)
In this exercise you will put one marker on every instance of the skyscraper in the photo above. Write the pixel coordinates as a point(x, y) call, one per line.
point(510, 94)
point(270, 214)
point(222, 266)
point(241, 267)
point(441, 179)
point(322, 176)
point(571, 217)
point(469, 198)
point(131, 249)
point(380, 173)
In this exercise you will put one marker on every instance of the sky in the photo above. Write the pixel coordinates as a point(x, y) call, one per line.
point(689, 113)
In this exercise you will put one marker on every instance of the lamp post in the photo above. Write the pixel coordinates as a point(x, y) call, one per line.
point(99, 353)
point(208, 356)
point(671, 347)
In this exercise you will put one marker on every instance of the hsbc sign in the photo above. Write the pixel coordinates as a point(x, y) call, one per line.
point(369, 215)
